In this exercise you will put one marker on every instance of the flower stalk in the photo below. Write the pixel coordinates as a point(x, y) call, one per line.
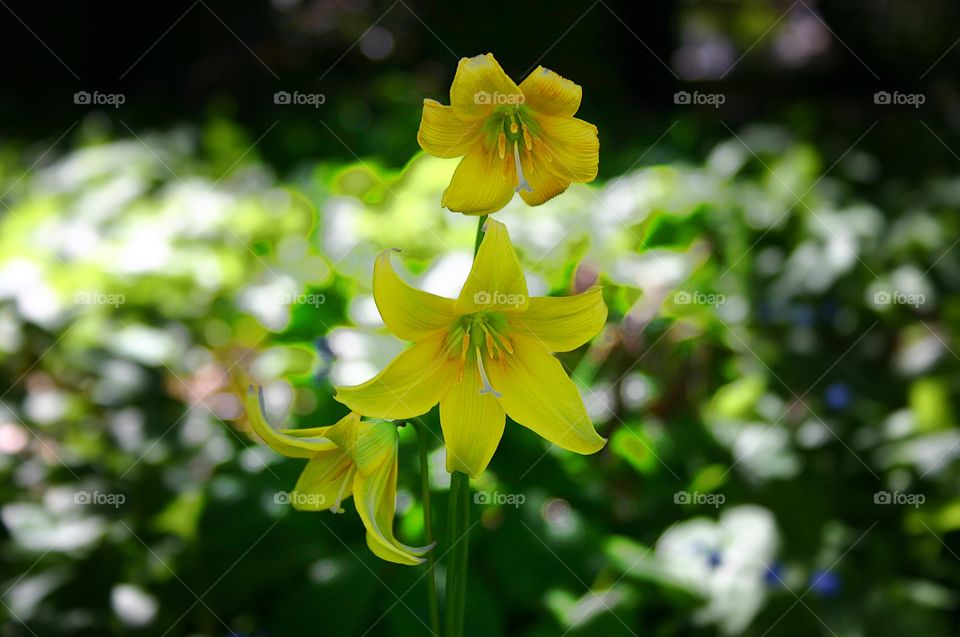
point(458, 530)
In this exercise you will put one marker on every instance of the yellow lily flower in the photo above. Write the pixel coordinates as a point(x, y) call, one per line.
point(352, 457)
point(512, 138)
point(481, 356)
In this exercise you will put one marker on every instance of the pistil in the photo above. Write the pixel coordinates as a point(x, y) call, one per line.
point(487, 387)
point(522, 183)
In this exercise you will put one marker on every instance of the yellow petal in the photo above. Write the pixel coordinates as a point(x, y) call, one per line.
point(496, 281)
point(574, 147)
point(547, 92)
point(376, 444)
point(375, 495)
point(472, 425)
point(288, 442)
point(442, 133)
point(476, 85)
point(410, 385)
point(409, 313)
point(344, 435)
point(326, 481)
point(563, 323)
point(545, 184)
point(481, 183)
point(537, 394)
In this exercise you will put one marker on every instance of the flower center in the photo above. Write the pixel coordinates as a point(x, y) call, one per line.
point(479, 337)
point(516, 130)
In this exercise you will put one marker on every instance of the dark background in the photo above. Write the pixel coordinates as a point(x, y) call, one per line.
point(182, 62)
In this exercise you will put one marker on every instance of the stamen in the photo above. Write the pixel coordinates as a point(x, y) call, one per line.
point(521, 181)
point(502, 145)
point(514, 128)
point(463, 357)
point(527, 141)
point(542, 149)
point(489, 344)
point(487, 387)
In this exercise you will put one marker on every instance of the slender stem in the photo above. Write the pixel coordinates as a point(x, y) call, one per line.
point(428, 528)
point(458, 528)
point(476, 244)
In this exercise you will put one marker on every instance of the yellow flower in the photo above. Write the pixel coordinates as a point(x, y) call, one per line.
point(483, 354)
point(352, 457)
point(512, 138)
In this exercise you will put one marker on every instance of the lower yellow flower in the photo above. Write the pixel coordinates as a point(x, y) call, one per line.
point(481, 356)
point(352, 457)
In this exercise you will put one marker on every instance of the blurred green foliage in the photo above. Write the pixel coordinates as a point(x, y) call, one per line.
point(778, 381)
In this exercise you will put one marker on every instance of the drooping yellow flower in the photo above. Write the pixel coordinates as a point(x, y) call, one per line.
point(512, 138)
point(352, 457)
point(482, 355)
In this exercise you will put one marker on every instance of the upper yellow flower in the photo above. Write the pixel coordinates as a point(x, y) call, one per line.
point(512, 138)
point(349, 458)
point(483, 354)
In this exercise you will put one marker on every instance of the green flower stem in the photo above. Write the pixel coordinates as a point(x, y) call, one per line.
point(458, 528)
point(428, 528)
